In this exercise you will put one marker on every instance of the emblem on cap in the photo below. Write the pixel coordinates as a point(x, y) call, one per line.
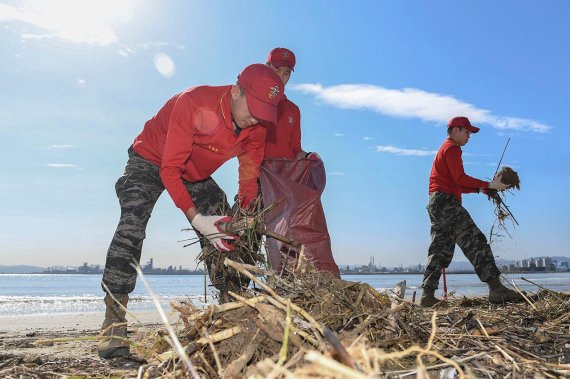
point(286, 54)
point(273, 91)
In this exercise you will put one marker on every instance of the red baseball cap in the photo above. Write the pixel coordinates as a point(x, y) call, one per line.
point(462, 122)
point(263, 91)
point(281, 56)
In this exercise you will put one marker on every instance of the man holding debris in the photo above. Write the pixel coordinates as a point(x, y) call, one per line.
point(451, 224)
point(290, 173)
point(193, 134)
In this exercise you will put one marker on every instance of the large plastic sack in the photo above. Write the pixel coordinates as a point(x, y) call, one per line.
point(295, 188)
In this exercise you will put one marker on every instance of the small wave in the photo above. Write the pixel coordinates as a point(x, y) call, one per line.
point(46, 305)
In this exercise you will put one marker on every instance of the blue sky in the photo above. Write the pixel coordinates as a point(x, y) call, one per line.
point(375, 83)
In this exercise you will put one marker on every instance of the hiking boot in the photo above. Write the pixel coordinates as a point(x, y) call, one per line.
point(499, 294)
point(114, 329)
point(428, 299)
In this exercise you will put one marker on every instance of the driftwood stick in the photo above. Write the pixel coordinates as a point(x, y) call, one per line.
point(213, 348)
point(220, 336)
point(344, 356)
point(234, 368)
point(261, 229)
point(523, 295)
point(213, 309)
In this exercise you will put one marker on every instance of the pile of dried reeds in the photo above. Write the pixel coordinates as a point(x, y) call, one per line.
point(310, 324)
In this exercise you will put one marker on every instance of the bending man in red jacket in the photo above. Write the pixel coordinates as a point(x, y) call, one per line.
point(451, 224)
point(193, 134)
point(282, 154)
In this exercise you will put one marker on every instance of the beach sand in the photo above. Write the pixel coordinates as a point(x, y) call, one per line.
point(21, 355)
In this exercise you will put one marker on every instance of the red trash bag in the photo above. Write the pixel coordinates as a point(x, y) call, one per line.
point(296, 187)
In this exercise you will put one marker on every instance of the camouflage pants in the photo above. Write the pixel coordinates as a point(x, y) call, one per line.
point(138, 189)
point(451, 224)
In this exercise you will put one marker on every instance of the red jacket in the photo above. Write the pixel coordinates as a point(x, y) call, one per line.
point(284, 139)
point(193, 135)
point(447, 174)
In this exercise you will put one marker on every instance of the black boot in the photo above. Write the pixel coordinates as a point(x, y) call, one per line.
point(428, 299)
point(499, 294)
point(114, 328)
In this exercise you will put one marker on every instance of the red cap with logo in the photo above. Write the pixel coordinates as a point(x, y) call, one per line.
point(281, 56)
point(263, 91)
point(462, 122)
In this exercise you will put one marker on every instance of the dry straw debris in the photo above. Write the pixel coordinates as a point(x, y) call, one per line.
point(308, 324)
point(502, 210)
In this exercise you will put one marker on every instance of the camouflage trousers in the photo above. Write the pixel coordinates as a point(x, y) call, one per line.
point(138, 190)
point(451, 224)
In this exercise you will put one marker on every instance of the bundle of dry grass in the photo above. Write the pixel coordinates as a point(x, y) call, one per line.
point(502, 210)
point(510, 177)
point(307, 324)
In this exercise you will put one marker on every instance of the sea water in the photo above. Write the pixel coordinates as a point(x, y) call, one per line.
point(34, 294)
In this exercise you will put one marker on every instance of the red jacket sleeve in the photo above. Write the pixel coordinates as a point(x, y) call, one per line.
point(470, 190)
point(249, 162)
point(455, 164)
point(177, 150)
point(295, 140)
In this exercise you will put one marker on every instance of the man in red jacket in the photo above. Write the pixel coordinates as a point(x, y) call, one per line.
point(284, 139)
point(282, 148)
point(179, 149)
point(451, 224)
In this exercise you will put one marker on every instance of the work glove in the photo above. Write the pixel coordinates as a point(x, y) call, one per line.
point(209, 227)
point(313, 156)
point(496, 184)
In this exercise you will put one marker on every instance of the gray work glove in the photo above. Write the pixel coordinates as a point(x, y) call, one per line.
point(496, 184)
point(209, 227)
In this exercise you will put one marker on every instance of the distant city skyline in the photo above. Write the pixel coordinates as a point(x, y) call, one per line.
point(553, 263)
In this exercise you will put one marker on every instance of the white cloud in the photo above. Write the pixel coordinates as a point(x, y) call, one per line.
point(126, 51)
point(81, 82)
point(335, 173)
point(400, 151)
point(129, 50)
point(338, 134)
point(62, 165)
point(367, 138)
point(413, 103)
point(63, 147)
point(152, 45)
point(70, 20)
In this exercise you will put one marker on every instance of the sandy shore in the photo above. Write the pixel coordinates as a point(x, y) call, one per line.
point(21, 354)
point(62, 322)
